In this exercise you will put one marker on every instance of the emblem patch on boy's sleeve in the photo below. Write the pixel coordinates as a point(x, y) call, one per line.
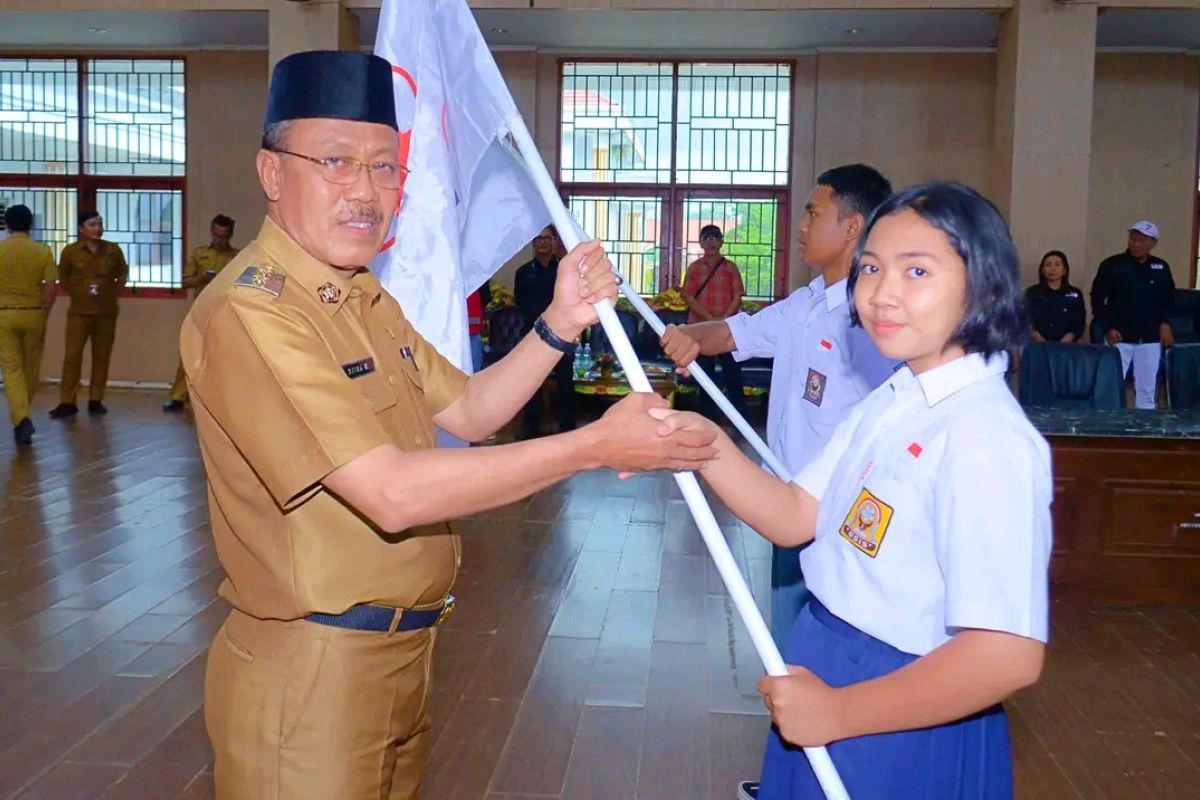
point(867, 523)
point(814, 387)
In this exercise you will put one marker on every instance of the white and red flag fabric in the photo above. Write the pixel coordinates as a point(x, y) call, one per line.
point(468, 205)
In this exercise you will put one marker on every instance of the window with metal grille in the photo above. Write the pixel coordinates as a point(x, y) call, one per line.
point(650, 152)
point(107, 134)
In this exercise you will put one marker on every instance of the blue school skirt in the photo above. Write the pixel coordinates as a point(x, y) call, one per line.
point(961, 760)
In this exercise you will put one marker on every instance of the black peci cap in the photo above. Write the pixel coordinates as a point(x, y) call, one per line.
point(330, 84)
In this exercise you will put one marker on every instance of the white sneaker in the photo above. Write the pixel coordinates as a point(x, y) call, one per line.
point(747, 790)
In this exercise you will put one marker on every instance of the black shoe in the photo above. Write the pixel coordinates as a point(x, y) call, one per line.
point(173, 406)
point(23, 433)
point(96, 407)
point(64, 410)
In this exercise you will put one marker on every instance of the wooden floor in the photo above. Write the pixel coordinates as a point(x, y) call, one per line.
point(594, 654)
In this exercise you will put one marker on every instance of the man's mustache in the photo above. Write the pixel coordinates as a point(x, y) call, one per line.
point(363, 213)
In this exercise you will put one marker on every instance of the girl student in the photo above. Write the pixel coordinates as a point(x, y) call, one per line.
point(929, 516)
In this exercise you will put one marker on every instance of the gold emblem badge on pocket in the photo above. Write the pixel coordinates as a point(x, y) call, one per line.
point(867, 523)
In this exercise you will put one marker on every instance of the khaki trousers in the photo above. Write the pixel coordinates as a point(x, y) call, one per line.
point(102, 330)
point(301, 711)
point(21, 335)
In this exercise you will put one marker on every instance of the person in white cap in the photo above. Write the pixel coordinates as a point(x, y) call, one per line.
point(1132, 297)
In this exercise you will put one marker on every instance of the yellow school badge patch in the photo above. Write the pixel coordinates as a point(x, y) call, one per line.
point(867, 523)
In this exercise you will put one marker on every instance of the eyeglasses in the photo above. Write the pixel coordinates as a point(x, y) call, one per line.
point(344, 171)
point(712, 237)
point(543, 238)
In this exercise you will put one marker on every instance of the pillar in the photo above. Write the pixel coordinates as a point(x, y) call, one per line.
point(1045, 74)
point(309, 25)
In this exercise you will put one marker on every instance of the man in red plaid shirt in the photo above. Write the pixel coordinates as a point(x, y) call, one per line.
point(713, 290)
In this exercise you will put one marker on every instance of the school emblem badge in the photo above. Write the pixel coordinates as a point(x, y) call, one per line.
point(867, 523)
point(328, 293)
point(814, 387)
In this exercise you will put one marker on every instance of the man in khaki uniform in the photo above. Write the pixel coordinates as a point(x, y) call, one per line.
point(94, 273)
point(27, 278)
point(315, 404)
point(202, 266)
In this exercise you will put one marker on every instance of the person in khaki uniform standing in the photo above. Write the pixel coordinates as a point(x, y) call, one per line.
point(94, 273)
point(202, 266)
point(315, 404)
point(27, 279)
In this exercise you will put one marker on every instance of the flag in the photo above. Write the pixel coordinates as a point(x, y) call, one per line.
point(468, 203)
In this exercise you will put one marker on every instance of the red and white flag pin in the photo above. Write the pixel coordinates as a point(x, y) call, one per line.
point(826, 344)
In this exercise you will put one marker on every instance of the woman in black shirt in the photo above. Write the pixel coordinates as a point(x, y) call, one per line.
point(1055, 306)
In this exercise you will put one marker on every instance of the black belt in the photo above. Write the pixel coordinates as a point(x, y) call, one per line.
point(20, 308)
point(379, 618)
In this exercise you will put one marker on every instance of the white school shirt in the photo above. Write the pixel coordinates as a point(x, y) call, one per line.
point(822, 368)
point(934, 510)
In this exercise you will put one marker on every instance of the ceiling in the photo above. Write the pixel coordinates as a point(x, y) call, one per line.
point(116, 30)
point(706, 31)
point(607, 30)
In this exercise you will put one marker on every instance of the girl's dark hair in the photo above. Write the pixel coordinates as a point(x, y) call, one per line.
point(995, 319)
point(1066, 278)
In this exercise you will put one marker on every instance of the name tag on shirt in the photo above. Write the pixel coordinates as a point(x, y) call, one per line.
point(1072, 294)
point(1156, 266)
point(356, 369)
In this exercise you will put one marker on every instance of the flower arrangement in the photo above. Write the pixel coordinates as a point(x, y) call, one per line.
point(669, 300)
point(606, 363)
point(501, 296)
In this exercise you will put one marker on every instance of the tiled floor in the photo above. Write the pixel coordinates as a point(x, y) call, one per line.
point(594, 654)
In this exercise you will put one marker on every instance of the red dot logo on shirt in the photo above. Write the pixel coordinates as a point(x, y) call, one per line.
point(915, 449)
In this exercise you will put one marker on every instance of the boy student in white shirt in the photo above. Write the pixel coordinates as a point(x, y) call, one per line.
point(929, 513)
point(823, 367)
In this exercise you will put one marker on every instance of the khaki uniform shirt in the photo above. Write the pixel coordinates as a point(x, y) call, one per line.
point(25, 266)
point(295, 370)
point(206, 259)
point(93, 281)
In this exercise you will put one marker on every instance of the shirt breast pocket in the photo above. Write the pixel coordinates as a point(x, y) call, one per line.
point(886, 511)
point(378, 391)
point(412, 372)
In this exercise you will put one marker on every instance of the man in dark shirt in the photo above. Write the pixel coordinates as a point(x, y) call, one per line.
point(1132, 298)
point(533, 289)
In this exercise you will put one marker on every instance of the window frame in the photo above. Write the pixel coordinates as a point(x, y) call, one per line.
point(672, 267)
point(87, 186)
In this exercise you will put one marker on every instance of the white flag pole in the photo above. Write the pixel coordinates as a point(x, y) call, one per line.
point(718, 548)
point(707, 384)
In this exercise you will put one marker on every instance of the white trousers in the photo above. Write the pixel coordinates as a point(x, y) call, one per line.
point(1145, 358)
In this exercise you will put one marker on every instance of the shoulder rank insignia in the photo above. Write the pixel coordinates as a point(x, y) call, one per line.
point(266, 278)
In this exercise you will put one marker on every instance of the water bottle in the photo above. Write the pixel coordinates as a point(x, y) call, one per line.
point(587, 358)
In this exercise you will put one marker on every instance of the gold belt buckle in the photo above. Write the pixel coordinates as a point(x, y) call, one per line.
point(446, 611)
